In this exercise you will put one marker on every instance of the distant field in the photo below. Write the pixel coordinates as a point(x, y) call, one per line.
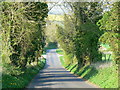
point(56, 17)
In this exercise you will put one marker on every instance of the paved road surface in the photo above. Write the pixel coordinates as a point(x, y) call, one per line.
point(55, 76)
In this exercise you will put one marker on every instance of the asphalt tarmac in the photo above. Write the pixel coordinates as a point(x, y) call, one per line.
point(54, 75)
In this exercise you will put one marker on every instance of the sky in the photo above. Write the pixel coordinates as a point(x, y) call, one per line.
point(57, 8)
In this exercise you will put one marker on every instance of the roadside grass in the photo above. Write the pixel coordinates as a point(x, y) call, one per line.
point(60, 51)
point(103, 77)
point(22, 80)
point(62, 60)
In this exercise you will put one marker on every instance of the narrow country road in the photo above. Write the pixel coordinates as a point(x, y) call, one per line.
point(55, 76)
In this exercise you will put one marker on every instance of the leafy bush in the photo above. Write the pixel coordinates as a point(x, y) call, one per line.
point(23, 79)
point(22, 30)
point(11, 70)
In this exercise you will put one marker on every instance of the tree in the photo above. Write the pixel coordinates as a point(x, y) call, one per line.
point(111, 27)
point(81, 34)
point(22, 31)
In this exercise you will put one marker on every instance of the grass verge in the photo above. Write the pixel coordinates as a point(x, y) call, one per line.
point(22, 80)
point(60, 51)
point(104, 77)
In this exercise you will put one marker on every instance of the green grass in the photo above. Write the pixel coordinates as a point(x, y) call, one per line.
point(22, 80)
point(60, 51)
point(104, 77)
point(62, 60)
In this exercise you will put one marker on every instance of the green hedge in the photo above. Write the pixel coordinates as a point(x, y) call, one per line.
point(22, 80)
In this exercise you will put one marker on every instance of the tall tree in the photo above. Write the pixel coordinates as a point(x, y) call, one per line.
point(22, 31)
point(111, 27)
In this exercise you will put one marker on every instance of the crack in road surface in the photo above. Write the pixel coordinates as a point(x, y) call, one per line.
point(55, 76)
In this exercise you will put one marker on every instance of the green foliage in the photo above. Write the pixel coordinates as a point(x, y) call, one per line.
point(50, 32)
point(87, 43)
point(36, 11)
point(11, 70)
point(81, 43)
point(23, 79)
point(68, 59)
point(22, 37)
point(111, 27)
point(81, 40)
point(22, 32)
